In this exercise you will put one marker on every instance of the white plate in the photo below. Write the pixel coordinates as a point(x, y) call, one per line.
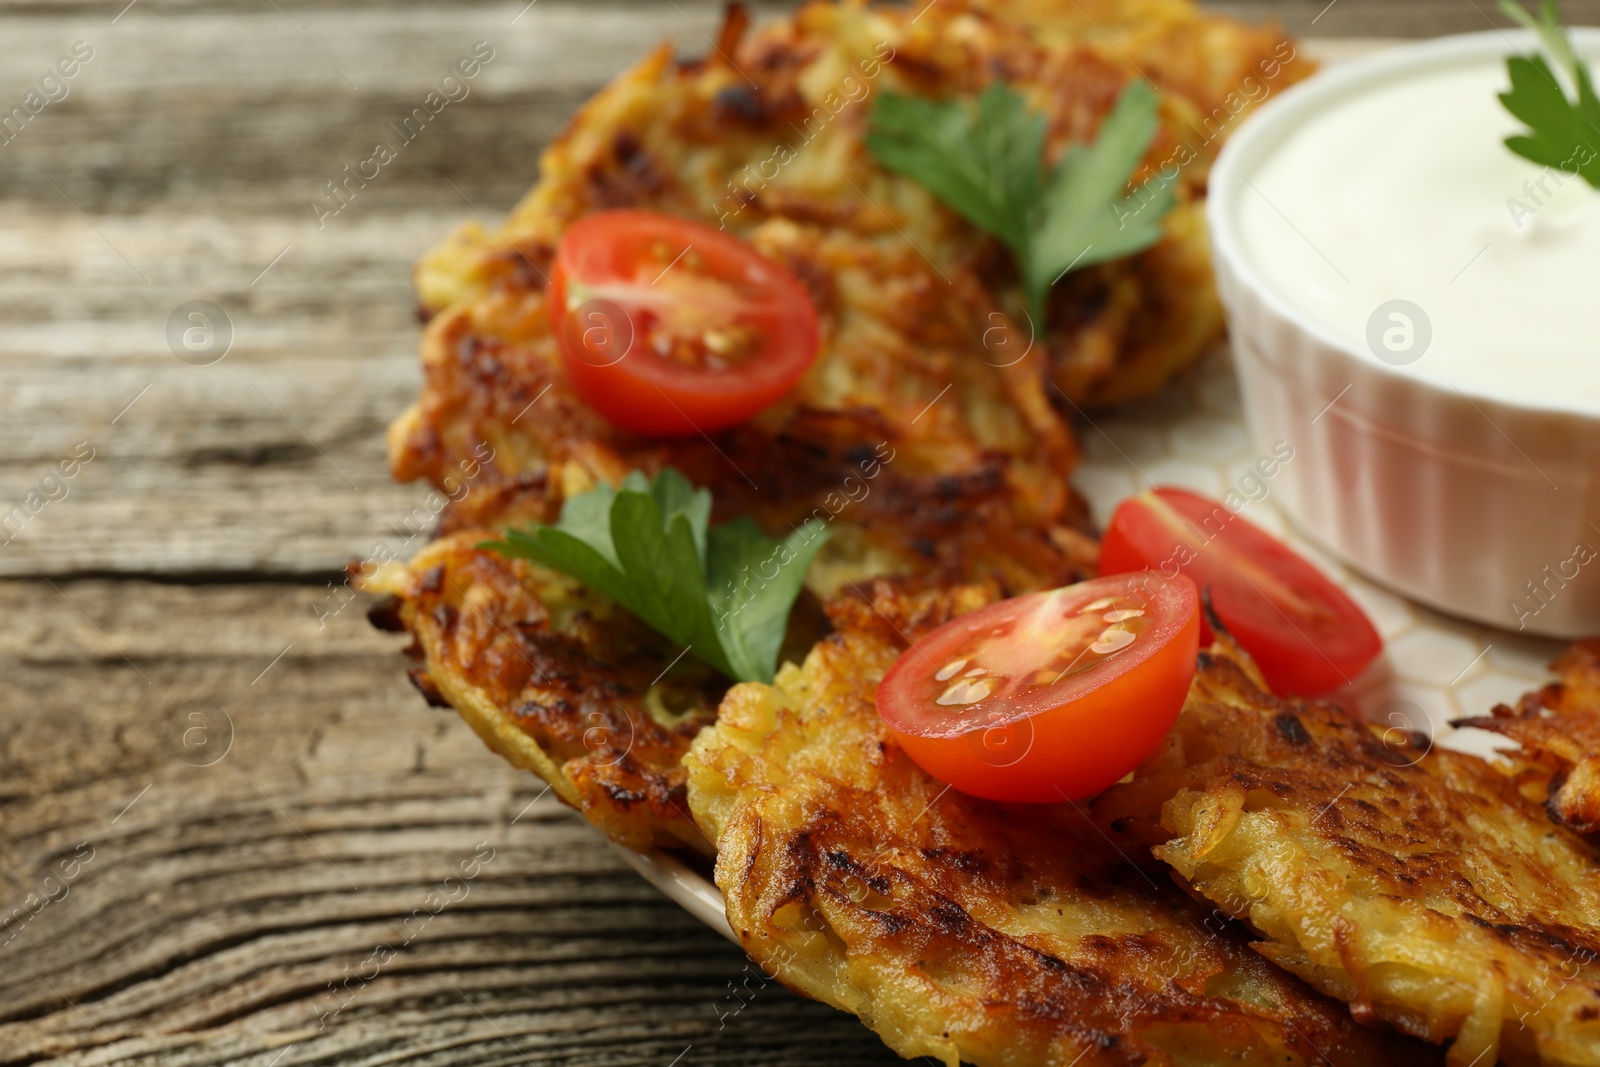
point(689, 889)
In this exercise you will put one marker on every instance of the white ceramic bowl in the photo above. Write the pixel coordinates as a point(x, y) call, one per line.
point(1463, 500)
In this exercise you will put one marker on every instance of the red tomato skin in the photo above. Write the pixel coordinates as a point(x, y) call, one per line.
point(1071, 752)
point(1297, 655)
point(647, 394)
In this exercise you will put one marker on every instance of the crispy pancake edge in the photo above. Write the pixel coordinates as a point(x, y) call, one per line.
point(1417, 883)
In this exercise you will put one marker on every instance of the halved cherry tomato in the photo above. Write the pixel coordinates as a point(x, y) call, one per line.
point(669, 327)
point(1306, 635)
point(1051, 696)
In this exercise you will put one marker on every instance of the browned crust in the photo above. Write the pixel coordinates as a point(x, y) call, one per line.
point(1558, 729)
point(558, 682)
point(1420, 885)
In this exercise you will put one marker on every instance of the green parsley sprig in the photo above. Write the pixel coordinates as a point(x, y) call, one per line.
point(985, 160)
point(723, 591)
point(1561, 132)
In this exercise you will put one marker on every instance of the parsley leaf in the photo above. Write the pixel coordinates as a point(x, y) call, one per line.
point(1561, 133)
point(723, 591)
point(985, 160)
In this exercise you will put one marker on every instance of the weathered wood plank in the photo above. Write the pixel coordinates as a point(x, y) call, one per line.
point(274, 467)
point(173, 111)
point(207, 909)
point(1385, 18)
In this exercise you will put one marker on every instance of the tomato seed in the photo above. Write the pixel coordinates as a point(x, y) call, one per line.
point(1112, 641)
point(965, 692)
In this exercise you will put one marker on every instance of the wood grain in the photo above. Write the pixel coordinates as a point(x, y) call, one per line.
point(218, 902)
point(262, 799)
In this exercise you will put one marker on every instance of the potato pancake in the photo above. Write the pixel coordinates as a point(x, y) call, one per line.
point(962, 929)
point(1421, 886)
point(919, 360)
point(1558, 728)
point(557, 680)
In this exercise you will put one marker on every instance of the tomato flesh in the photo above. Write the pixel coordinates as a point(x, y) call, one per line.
point(1305, 633)
point(1051, 696)
point(672, 328)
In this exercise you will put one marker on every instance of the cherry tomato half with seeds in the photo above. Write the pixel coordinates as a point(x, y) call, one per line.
point(1305, 633)
point(1051, 696)
point(672, 328)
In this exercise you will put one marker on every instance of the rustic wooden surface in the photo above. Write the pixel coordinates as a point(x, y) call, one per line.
point(225, 823)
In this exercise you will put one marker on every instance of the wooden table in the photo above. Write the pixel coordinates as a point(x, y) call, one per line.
point(226, 821)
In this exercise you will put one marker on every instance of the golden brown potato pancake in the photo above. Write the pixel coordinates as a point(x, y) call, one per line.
point(919, 361)
point(1558, 728)
point(962, 929)
point(764, 137)
point(1423, 887)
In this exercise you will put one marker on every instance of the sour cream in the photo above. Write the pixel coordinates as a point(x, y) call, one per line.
point(1397, 222)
